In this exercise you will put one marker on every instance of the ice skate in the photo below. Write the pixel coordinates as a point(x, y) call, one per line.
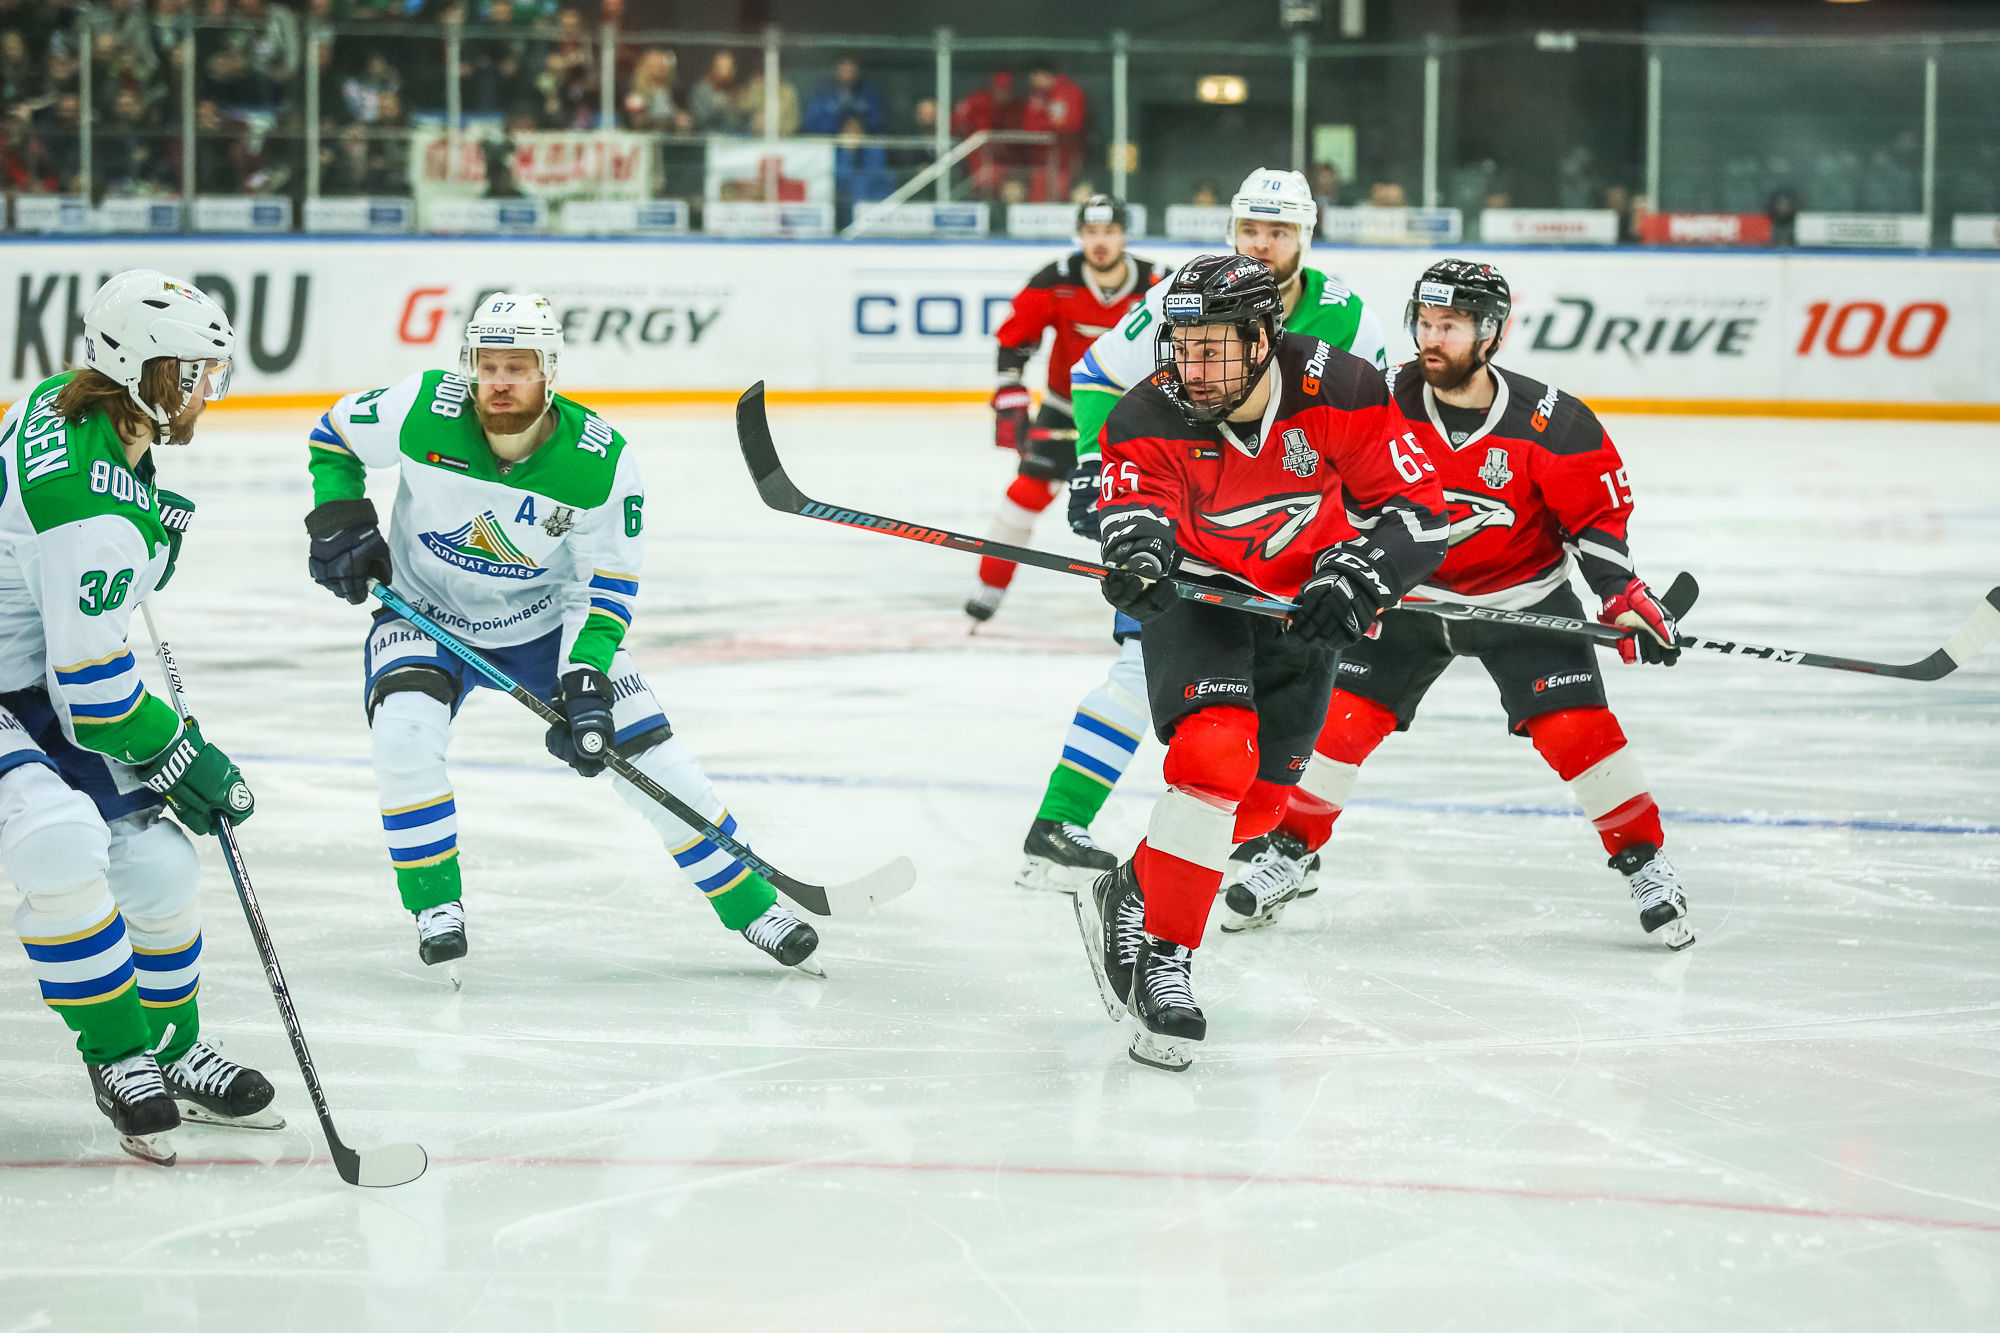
point(211, 1089)
point(1111, 915)
point(1061, 857)
point(785, 938)
point(1277, 875)
point(1163, 1001)
point(1662, 906)
point(134, 1098)
point(441, 935)
point(982, 605)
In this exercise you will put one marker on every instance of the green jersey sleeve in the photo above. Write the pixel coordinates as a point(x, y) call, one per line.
point(609, 547)
point(360, 431)
point(92, 572)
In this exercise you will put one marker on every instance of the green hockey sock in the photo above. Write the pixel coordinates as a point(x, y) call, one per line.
point(108, 1029)
point(177, 1025)
point(744, 901)
point(1073, 797)
point(431, 885)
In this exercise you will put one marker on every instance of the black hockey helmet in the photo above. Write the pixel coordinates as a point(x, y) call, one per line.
point(1104, 208)
point(1235, 290)
point(1460, 284)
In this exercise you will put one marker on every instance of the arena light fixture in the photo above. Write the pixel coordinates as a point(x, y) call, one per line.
point(1222, 89)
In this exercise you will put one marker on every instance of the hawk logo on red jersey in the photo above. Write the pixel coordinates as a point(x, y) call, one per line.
point(1496, 474)
point(1276, 522)
point(1469, 512)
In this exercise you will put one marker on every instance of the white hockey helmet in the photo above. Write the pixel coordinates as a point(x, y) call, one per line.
point(511, 320)
point(142, 314)
point(1270, 195)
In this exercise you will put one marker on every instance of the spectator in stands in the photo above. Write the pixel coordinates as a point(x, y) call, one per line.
point(565, 93)
point(860, 171)
point(56, 132)
point(24, 168)
point(363, 92)
point(1783, 209)
point(225, 72)
point(130, 150)
point(652, 104)
point(502, 70)
point(1207, 194)
point(1619, 200)
point(273, 50)
point(131, 43)
point(218, 150)
point(990, 108)
point(845, 97)
point(714, 101)
point(751, 103)
point(168, 30)
point(1326, 185)
point(23, 83)
point(1386, 194)
point(1056, 105)
point(923, 116)
point(344, 167)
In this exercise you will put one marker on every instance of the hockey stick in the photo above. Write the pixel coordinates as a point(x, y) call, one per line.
point(864, 894)
point(376, 1168)
point(1978, 631)
point(753, 433)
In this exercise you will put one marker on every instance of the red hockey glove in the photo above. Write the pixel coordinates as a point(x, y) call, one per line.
point(1653, 626)
point(1010, 417)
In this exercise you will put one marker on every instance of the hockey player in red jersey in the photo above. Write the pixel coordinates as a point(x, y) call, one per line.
point(1081, 297)
point(1531, 479)
point(1255, 458)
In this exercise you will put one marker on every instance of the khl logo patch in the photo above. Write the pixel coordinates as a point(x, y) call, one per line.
point(1496, 474)
point(1300, 460)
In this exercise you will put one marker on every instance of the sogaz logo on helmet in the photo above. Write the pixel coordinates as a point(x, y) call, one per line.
point(1434, 293)
point(1181, 303)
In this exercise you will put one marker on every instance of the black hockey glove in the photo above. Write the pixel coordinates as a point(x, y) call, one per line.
point(347, 548)
point(1139, 545)
point(176, 516)
point(1083, 480)
point(1336, 605)
point(583, 739)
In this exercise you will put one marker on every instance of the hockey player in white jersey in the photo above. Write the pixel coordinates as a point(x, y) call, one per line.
point(1271, 219)
point(108, 910)
point(517, 527)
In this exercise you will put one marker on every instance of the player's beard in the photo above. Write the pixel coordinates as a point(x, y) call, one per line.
point(1108, 266)
point(1453, 374)
point(1284, 275)
point(510, 423)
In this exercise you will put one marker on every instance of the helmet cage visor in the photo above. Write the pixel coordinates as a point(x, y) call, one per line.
point(1236, 359)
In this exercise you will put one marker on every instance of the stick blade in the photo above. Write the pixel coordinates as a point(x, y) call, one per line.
point(859, 897)
point(760, 452)
point(1977, 632)
point(385, 1167)
point(1681, 594)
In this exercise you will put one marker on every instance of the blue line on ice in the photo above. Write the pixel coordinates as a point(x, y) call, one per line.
point(1759, 819)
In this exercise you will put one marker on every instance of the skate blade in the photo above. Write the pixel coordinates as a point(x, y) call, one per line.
point(1041, 873)
point(1149, 1048)
point(1675, 934)
point(451, 974)
point(1237, 925)
point(194, 1113)
point(155, 1148)
point(811, 967)
point(1091, 927)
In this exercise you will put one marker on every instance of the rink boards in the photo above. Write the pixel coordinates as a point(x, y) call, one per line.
point(1795, 333)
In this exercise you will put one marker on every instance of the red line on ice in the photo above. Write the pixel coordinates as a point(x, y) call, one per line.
point(1110, 1173)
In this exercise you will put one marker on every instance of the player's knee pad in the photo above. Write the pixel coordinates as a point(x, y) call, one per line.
point(632, 747)
point(1574, 740)
point(155, 876)
point(1354, 727)
point(1260, 809)
point(411, 730)
point(427, 681)
point(1031, 493)
point(1214, 751)
point(52, 840)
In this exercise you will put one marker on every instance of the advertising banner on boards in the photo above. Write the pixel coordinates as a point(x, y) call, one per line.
point(1645, 328)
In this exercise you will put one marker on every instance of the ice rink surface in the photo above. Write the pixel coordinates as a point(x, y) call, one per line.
point(1458, 1089)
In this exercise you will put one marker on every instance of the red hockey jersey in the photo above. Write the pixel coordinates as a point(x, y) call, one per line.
point(1537, 479)
point(1061, 295)
point(1330, 465)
